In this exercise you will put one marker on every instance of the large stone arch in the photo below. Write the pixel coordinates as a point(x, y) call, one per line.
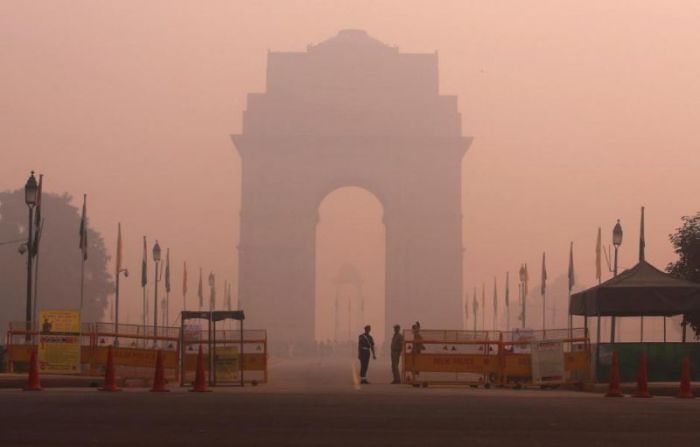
point(351, 111)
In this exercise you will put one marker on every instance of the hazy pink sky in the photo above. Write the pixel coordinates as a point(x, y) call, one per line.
point(581, 112)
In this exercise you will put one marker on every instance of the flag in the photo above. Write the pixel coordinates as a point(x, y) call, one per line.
point(642, 242)
point(466, 306)
point(475, 304)
point(199, 290)
point(527, 280)
point(83, 229)
point(119, 250)
point(543, 288)
point(495, 297)
point(572, 278)
point(167, 271)
point(37, 218)
point(184, 279)
point(144, 266)
point(507, 289)
point(212, 295)
point(598, 265)
point(483, 305)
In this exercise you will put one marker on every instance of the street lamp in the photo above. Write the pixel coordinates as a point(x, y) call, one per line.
point(617, 241)
point(523, 277)
point(156, 260)
point(31, 190)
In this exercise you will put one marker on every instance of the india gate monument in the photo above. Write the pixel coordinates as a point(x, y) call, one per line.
point(350, 111)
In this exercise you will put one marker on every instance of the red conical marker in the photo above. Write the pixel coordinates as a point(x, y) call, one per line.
point(685, 392)
point(33, 383)
point(642, 382)
point(110, 376)
point(200, 381)
point(159, 376)
point(614, 389)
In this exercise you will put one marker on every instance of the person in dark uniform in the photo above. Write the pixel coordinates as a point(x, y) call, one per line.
point(396, 348)
point(365, 346)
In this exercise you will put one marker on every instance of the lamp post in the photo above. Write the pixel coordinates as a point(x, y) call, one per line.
point(523, 277)
point(156, 260)
point(30, 197)
point(617, 241)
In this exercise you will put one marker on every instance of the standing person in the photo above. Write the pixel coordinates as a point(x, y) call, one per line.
point(365, 345)
point(396, 348)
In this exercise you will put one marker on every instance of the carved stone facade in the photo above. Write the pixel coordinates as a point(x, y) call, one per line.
point(351, 111)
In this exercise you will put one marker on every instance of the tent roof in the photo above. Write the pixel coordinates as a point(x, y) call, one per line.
point(639, 291)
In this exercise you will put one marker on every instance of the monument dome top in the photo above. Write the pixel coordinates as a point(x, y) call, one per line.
point(349, 39)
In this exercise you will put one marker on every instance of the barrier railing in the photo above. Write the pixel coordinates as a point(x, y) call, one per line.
point(228, 352)
point(517, 358)
point(135, 348)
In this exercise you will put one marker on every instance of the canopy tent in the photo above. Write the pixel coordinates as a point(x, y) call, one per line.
point(642, 290)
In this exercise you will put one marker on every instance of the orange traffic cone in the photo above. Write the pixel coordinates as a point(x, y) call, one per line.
point(614, 389)
point(642, 382)
point(685, 392)
point(110, 376)
point(200, 381)
point(33, 383)
point(159, 376)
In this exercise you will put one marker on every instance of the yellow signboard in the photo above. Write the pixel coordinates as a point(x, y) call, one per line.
point(59, 341)
point(226, 364)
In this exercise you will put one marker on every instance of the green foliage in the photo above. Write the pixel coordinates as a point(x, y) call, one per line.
point(686, 243)
point(59, 260)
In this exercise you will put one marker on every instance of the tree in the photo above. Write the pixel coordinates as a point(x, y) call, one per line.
point(686, 244)
point(60, 258)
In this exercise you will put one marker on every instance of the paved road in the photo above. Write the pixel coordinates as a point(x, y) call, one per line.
point(320, 407)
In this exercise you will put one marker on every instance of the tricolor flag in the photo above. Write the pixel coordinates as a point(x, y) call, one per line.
point(83, 230)
point(212, 296)
point(572, 277)
point(184, 279)
point(466, 306)
point(167, 271)
point(118, 266)
point(37, 217)
point(527, 280)
point(598, 250)
point(507, 289)
point(495, 297)
point(543, 287)
point(200, 294)
point(642, 242)
point(144, 265)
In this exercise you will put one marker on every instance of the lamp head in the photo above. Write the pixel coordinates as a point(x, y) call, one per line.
point(617, 234)
point(31, 189)
point(156, 252)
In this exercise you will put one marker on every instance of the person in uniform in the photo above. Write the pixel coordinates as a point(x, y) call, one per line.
point(365, 346)
point(396, 348)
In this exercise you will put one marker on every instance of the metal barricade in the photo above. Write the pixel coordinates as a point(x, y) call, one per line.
point(450, 357)
point(543, 358)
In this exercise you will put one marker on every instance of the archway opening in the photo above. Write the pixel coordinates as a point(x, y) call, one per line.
point(350, 266)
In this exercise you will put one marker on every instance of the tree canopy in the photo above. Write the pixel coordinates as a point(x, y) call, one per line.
point(686, 244)
point(59, 260)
